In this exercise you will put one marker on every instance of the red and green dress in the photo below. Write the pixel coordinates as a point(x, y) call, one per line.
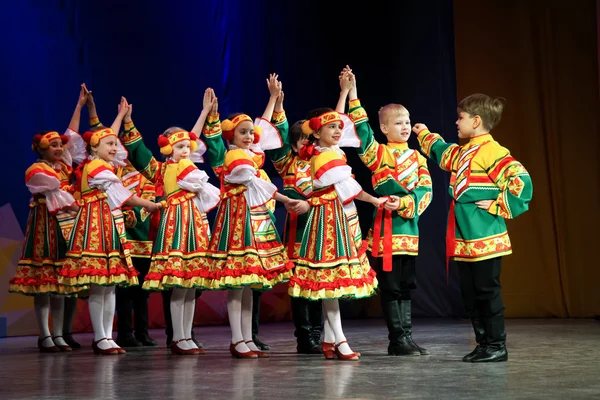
point(44, 247)
point(399, 171)
point(245, 249)
point(329, 265)
point(480, 170)
point(97, 251)
point(181, 243)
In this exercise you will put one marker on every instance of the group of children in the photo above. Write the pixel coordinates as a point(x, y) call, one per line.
point(123, 219)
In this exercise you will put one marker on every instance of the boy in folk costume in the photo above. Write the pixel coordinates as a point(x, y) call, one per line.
point(297, 184)
point(401, 174)
point(487, 185)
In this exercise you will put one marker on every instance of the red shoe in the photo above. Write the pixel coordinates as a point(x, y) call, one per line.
point(260, 354)
point(328, 350)
point(44, 349)
point(62, 348)
point(197, 351)
point(118, 349)
point(104, 352)
point(182, 352)
point(237, 354)
point(345, 357)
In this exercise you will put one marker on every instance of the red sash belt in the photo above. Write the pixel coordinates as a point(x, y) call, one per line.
point(383, 216)
point(450, 236)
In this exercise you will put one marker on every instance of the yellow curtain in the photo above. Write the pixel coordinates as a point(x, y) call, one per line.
point(542, 57)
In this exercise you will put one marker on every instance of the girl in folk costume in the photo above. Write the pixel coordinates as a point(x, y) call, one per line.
point(178, 256)
point(98, 253)
point(329, 266)
point(48, 180)
point(245, 250)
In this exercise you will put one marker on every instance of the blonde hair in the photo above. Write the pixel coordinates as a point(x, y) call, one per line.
point(172, 130)
point(489, 109)
point(392, 110)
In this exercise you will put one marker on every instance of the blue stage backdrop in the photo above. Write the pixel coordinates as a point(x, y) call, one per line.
point(162, 55)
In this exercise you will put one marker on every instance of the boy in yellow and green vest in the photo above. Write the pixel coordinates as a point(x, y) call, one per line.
point(401, 174)
point(487, 185)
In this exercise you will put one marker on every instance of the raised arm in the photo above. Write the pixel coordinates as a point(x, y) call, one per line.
point(214, 141)
point(274, 89)
point(436, 148)
point(139, 155)
point(207, 104)
point(76, 118)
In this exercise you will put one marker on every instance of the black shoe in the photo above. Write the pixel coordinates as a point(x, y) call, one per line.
point(420, 349)
point(402, 347)
point(129, 341)
point(146, 340)
point(70, 341)
point(308, 347)
point(261, 346)
point(200, 345)
point(169, 340)
point(491, 353)
point(478, 349)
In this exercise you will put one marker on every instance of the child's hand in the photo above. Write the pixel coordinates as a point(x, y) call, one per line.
point(280, 98)
point(207, 101)
point(379, 201)
point(484, 204)
point(345, 82)
point(274, 85)
point(82, 96)
point(419, 127)
point(152, 207)
point(123, 107)
point(393, 203)
point(298, 206)
point(128, 113)
point(214, 108)
point(73, 208)
point(89, 101)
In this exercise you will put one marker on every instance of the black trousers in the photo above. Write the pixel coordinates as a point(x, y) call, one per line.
point(397, 283)
point(134, 300)
point(480, 288)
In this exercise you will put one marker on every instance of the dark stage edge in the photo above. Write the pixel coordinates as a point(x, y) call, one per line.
point(548, 358)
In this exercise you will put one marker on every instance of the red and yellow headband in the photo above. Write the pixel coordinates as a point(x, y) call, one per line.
point(228, 127)
point(93, 138)
point(43, 141)
point(166, 143)
point(312, 125)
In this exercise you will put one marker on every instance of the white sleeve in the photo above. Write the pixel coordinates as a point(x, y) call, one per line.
point(75, 148)
point(349, 136)
point(197, 156)
point(269, 138)
point(347, 190)
point(207, 195)
point(258, 190)
point(49, 186)
point(109, 183)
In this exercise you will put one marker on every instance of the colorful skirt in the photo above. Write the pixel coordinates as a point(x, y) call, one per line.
point(179, 253)
point(98, 252)
point(245, 248)
point(42, 256)
point(329, 265)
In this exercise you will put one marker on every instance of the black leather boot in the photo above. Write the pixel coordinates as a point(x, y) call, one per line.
point(399, 343)
point(479, 329)
point(406, 310)
point(301, 316)
point(495, 336)
point(491, 353)
point(124, 321)
point(256, 295)
point(69, 316)
point(315, 315)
